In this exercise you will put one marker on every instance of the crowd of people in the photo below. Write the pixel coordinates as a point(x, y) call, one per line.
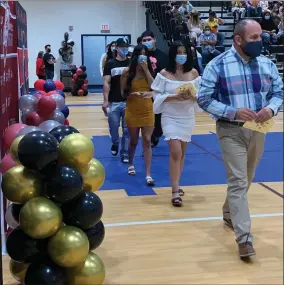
point(145, 92)
point(205, 33)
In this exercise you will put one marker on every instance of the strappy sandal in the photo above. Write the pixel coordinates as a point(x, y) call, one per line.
point(150, 181)
point(177, 202)
point(131, 170)
point(180, 191)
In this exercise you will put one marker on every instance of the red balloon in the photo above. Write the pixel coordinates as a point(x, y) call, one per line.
point(7, 163)
point(11, 133)
point(80, 92)
point(86, 81)
point(39, 85)
point(33, 119)
point(59, 85)
point(75, 77)
point(66, 122)
point(84, 87)
point(46, 105)
point(79, 71)
point(51, 93)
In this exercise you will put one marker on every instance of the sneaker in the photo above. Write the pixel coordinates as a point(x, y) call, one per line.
point(114, 150)
point(124, 159)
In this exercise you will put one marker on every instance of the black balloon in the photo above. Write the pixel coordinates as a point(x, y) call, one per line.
point(61, 132)
point(83, 67)
point(86, 92)
point(23, 248)
point(49, 170)
point(65, 185)
point(83, 212)
point(45, 272)
point(16, 208)
point(84, 75)
point(37, 149)
point(96, 235)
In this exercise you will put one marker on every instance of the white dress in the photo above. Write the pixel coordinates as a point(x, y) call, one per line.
point(178, 118)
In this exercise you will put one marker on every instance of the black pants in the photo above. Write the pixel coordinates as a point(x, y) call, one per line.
point(41, 77)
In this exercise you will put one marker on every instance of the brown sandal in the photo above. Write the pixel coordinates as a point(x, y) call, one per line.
point(177, 202)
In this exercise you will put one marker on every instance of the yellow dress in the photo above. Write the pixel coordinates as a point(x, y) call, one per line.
point(139, 111)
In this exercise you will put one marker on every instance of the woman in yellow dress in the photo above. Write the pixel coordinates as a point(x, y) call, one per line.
point(136, 83)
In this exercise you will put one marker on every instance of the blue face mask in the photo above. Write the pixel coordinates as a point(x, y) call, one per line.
point(181, 58)
point(113, 49)
point(123, 51)
point(148, 44)
point(141, 57)
point(252, 49)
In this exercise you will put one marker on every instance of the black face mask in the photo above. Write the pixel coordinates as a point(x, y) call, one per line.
point(48, 49)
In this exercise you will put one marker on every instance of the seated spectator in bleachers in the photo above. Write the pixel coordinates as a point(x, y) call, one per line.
point(275, 14)
point(180, 27)
point(239, 9)
point(255, 8)
point(280, 35)
point(195, 27)
point(208, 41)
point(185, 8)
point(213, 22)
point(175, 9)
point(268, 30)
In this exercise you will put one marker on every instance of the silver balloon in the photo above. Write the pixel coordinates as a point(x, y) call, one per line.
point(12, 223)
point(60, 101)
point(49, 125)
point(57, 116)
point(24, 116)
point(28, 103)
point(27, 130)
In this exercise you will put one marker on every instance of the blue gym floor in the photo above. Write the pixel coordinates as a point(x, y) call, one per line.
point(203, 164)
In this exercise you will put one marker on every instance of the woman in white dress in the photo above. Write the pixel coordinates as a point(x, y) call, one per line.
point(177, 109)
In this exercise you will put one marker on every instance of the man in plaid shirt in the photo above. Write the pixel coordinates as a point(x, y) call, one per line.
point(237, 86)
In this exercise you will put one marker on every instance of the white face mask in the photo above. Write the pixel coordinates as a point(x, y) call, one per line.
point(267, 17)
point(207, 33)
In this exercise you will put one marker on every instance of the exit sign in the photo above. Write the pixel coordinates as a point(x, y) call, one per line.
point(105, 29)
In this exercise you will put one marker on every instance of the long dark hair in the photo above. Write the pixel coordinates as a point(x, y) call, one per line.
point(188, 66)
point(133, 65)
point(110, 52)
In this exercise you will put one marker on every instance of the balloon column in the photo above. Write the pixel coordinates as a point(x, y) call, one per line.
point(79, 81)
point(47, 102)
point(50, 178)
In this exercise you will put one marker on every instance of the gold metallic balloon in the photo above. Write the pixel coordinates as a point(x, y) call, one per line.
point(18, 270)
point(19, 185)
point(14, 148)
point(69, 247)
point(91, 272)
point(76, 150)
point(40, 218)
point(95, 177)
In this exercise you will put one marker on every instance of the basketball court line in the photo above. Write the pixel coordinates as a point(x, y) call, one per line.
point(150, 222)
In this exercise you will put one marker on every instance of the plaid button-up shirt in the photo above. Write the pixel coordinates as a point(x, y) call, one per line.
point(229, 83)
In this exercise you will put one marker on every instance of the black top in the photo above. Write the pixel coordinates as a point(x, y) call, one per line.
point(46, 58)
point(114, 68)
point(161, 60)
point(268, 25)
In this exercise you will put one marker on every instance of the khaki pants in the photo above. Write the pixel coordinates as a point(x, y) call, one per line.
point(241, 149)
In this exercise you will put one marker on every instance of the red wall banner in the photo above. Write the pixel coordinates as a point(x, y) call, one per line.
point(22, 49)
point(13, 77)
point(9, 91)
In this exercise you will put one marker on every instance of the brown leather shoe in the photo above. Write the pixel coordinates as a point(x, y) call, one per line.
point(228, 223)
point(246, 249)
